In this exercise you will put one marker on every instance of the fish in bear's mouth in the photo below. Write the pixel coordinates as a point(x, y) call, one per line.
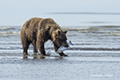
point(62, 48)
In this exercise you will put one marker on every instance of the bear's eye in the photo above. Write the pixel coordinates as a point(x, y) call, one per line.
point(62, 39)
point(56, 36)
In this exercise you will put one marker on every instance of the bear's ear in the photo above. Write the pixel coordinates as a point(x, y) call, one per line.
point(58, 32)
point(65, 32)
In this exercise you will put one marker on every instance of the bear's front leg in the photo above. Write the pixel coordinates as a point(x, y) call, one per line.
point(61, 54)
point(41, 49)
point(40, 46)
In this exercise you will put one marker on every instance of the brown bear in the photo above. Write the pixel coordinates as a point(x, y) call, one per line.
point(37, 31)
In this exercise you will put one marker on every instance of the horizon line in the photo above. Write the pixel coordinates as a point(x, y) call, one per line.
point(91, 13)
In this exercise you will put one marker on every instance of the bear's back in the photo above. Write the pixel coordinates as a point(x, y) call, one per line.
point(31, 23)
point(47, 21)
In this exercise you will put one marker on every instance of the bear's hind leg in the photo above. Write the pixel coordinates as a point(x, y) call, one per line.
point(25, 48)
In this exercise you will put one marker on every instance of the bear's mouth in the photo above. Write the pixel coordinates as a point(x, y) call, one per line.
point(61, 49)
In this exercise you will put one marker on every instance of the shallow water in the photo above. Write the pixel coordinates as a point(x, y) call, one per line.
point(95, 55)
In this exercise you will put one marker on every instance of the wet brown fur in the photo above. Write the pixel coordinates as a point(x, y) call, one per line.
point(37, 31)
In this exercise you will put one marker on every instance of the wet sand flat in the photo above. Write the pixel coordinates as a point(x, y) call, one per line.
point(52, 68)
point(94, 56)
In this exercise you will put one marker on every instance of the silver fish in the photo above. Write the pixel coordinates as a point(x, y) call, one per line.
point(62, 48)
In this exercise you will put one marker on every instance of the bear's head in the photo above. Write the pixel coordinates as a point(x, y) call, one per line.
point(59, 38)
